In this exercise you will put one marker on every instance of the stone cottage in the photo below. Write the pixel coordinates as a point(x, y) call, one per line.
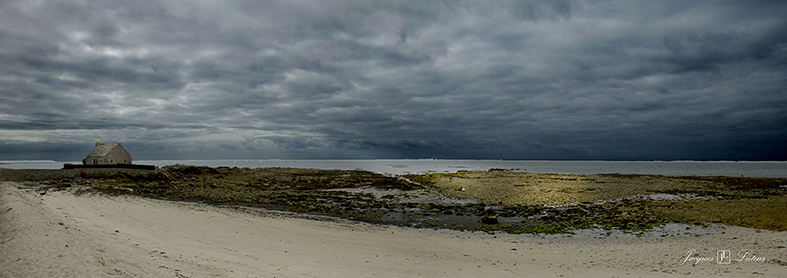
point(107, 155)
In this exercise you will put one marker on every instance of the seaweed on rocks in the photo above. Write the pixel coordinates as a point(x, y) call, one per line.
point(496, 200)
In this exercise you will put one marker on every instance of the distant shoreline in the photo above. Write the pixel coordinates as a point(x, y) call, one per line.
point(769, 169)
point(120, 166)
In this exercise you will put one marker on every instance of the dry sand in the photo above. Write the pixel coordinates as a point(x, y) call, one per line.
point(60, 234)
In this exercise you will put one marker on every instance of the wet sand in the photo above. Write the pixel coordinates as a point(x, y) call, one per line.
point(60, 234)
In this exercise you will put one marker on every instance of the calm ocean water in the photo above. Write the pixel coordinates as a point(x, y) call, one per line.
point(402, 166)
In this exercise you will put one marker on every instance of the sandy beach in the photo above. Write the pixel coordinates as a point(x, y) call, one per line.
point(60, 234)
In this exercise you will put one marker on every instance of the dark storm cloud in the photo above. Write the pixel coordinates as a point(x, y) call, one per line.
point(554, 79)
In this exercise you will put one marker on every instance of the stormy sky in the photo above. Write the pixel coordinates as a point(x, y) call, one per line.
point(526, 79)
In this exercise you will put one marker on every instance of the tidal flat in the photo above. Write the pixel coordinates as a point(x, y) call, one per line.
point(495, 200)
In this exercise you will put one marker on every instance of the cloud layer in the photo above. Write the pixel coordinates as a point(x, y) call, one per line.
point(535, 79)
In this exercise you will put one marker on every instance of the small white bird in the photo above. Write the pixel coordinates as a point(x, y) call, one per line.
point(463, 189)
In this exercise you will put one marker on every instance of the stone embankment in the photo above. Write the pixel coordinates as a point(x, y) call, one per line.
point(39, 175)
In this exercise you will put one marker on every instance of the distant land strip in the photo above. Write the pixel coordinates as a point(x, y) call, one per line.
point(123, 166)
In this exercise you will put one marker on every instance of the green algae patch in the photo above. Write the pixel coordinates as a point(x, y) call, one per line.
point(616, 201)
point(761, 213)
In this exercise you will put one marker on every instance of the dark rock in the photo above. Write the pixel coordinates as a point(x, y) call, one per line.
point(489, 219)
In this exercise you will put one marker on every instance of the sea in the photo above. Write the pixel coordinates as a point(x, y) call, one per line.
point(772, 169)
